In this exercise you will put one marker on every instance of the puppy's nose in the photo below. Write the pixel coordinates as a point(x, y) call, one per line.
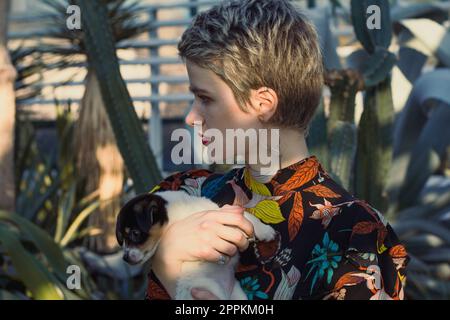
point(126, 257)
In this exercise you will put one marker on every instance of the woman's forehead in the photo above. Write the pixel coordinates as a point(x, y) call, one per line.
point(203, 80)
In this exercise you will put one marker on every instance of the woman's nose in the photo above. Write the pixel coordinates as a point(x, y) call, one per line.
point(193, 116)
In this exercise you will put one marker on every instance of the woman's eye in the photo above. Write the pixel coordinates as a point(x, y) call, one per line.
point(204, 99)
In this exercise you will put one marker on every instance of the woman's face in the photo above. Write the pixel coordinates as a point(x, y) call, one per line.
point(215, 106)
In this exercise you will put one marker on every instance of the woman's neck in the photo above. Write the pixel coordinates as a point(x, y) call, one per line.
point(292, 149)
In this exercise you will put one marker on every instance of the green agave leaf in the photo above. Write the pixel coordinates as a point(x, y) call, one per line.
point(328, 42)
point(81, 217)
point(437, 255)
point(64, 211)
point(433, 35)
point(42, 241)
point(375, 67)
point(436, 192)
point(357, 59)
point(418, 10)
point(411, 63)
point(427, 287)
point(423, 242)
point(378, 67)
point(7, 295)
point(423, 226)
point(28, 269)
point(430, 88)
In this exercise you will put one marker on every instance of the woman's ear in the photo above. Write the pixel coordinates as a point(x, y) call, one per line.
point(266, 100)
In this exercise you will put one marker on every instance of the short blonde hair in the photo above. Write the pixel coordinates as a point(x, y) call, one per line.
point(260, 43)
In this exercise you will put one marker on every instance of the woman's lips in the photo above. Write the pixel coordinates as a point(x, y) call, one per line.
point(205, 140)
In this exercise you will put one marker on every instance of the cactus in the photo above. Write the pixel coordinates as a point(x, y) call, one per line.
point(100, 47)
point(344, 85)
point(374, 153)
point(343, 142)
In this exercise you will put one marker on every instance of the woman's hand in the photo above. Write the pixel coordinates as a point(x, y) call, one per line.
point(202, 236)
point(206, 235)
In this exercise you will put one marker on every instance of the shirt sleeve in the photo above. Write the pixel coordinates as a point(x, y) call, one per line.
point(374, 264)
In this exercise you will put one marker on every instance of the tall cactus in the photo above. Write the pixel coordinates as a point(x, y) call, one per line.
point(374, 155)
point(341, 128)
point(100, 47)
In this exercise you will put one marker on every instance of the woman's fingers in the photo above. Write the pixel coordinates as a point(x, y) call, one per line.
point(209, 253)
point(233, 236)
point(235, 219)
point(224, 247)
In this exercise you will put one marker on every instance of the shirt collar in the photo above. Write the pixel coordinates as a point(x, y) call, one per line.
point(293, 177)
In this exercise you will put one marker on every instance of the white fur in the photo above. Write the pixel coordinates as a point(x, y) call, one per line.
point(218, 279)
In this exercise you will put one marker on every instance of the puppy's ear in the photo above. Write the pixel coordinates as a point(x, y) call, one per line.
point(145, 217)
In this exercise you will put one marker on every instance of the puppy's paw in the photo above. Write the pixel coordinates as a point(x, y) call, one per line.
point(264, 232)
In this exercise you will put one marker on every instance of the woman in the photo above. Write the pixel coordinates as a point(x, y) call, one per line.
point(256, 64)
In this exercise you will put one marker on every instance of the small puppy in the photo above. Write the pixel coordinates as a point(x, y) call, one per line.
point(142, 221)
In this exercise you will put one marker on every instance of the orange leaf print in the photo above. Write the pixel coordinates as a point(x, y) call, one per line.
point(364, 227)
point(398, 251)
point(305, 173)
point(284, 198)
point(296, 216)
point(348, 279)
point(322, 191)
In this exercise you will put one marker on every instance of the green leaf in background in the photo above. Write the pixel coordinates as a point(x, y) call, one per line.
point(433, 35)
point(42, 241)
point(438, 11)
point(378, 67)
point(28, 269)
point(411, 63)
point(430, 88)
point(328, 42)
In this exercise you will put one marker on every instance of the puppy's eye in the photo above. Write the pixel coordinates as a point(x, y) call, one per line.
point(135, 235)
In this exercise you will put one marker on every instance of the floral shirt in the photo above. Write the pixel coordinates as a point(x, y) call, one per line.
point(329, 245)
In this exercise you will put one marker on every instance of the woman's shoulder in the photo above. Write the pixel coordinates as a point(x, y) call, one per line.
point(196, 182)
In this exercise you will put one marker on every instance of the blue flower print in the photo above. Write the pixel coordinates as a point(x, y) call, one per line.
point(251, 288)
point(324, 259)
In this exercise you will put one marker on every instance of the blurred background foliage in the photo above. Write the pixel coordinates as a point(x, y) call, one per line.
point(381, 130)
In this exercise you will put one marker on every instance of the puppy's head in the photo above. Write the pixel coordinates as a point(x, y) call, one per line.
point(139, 227)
